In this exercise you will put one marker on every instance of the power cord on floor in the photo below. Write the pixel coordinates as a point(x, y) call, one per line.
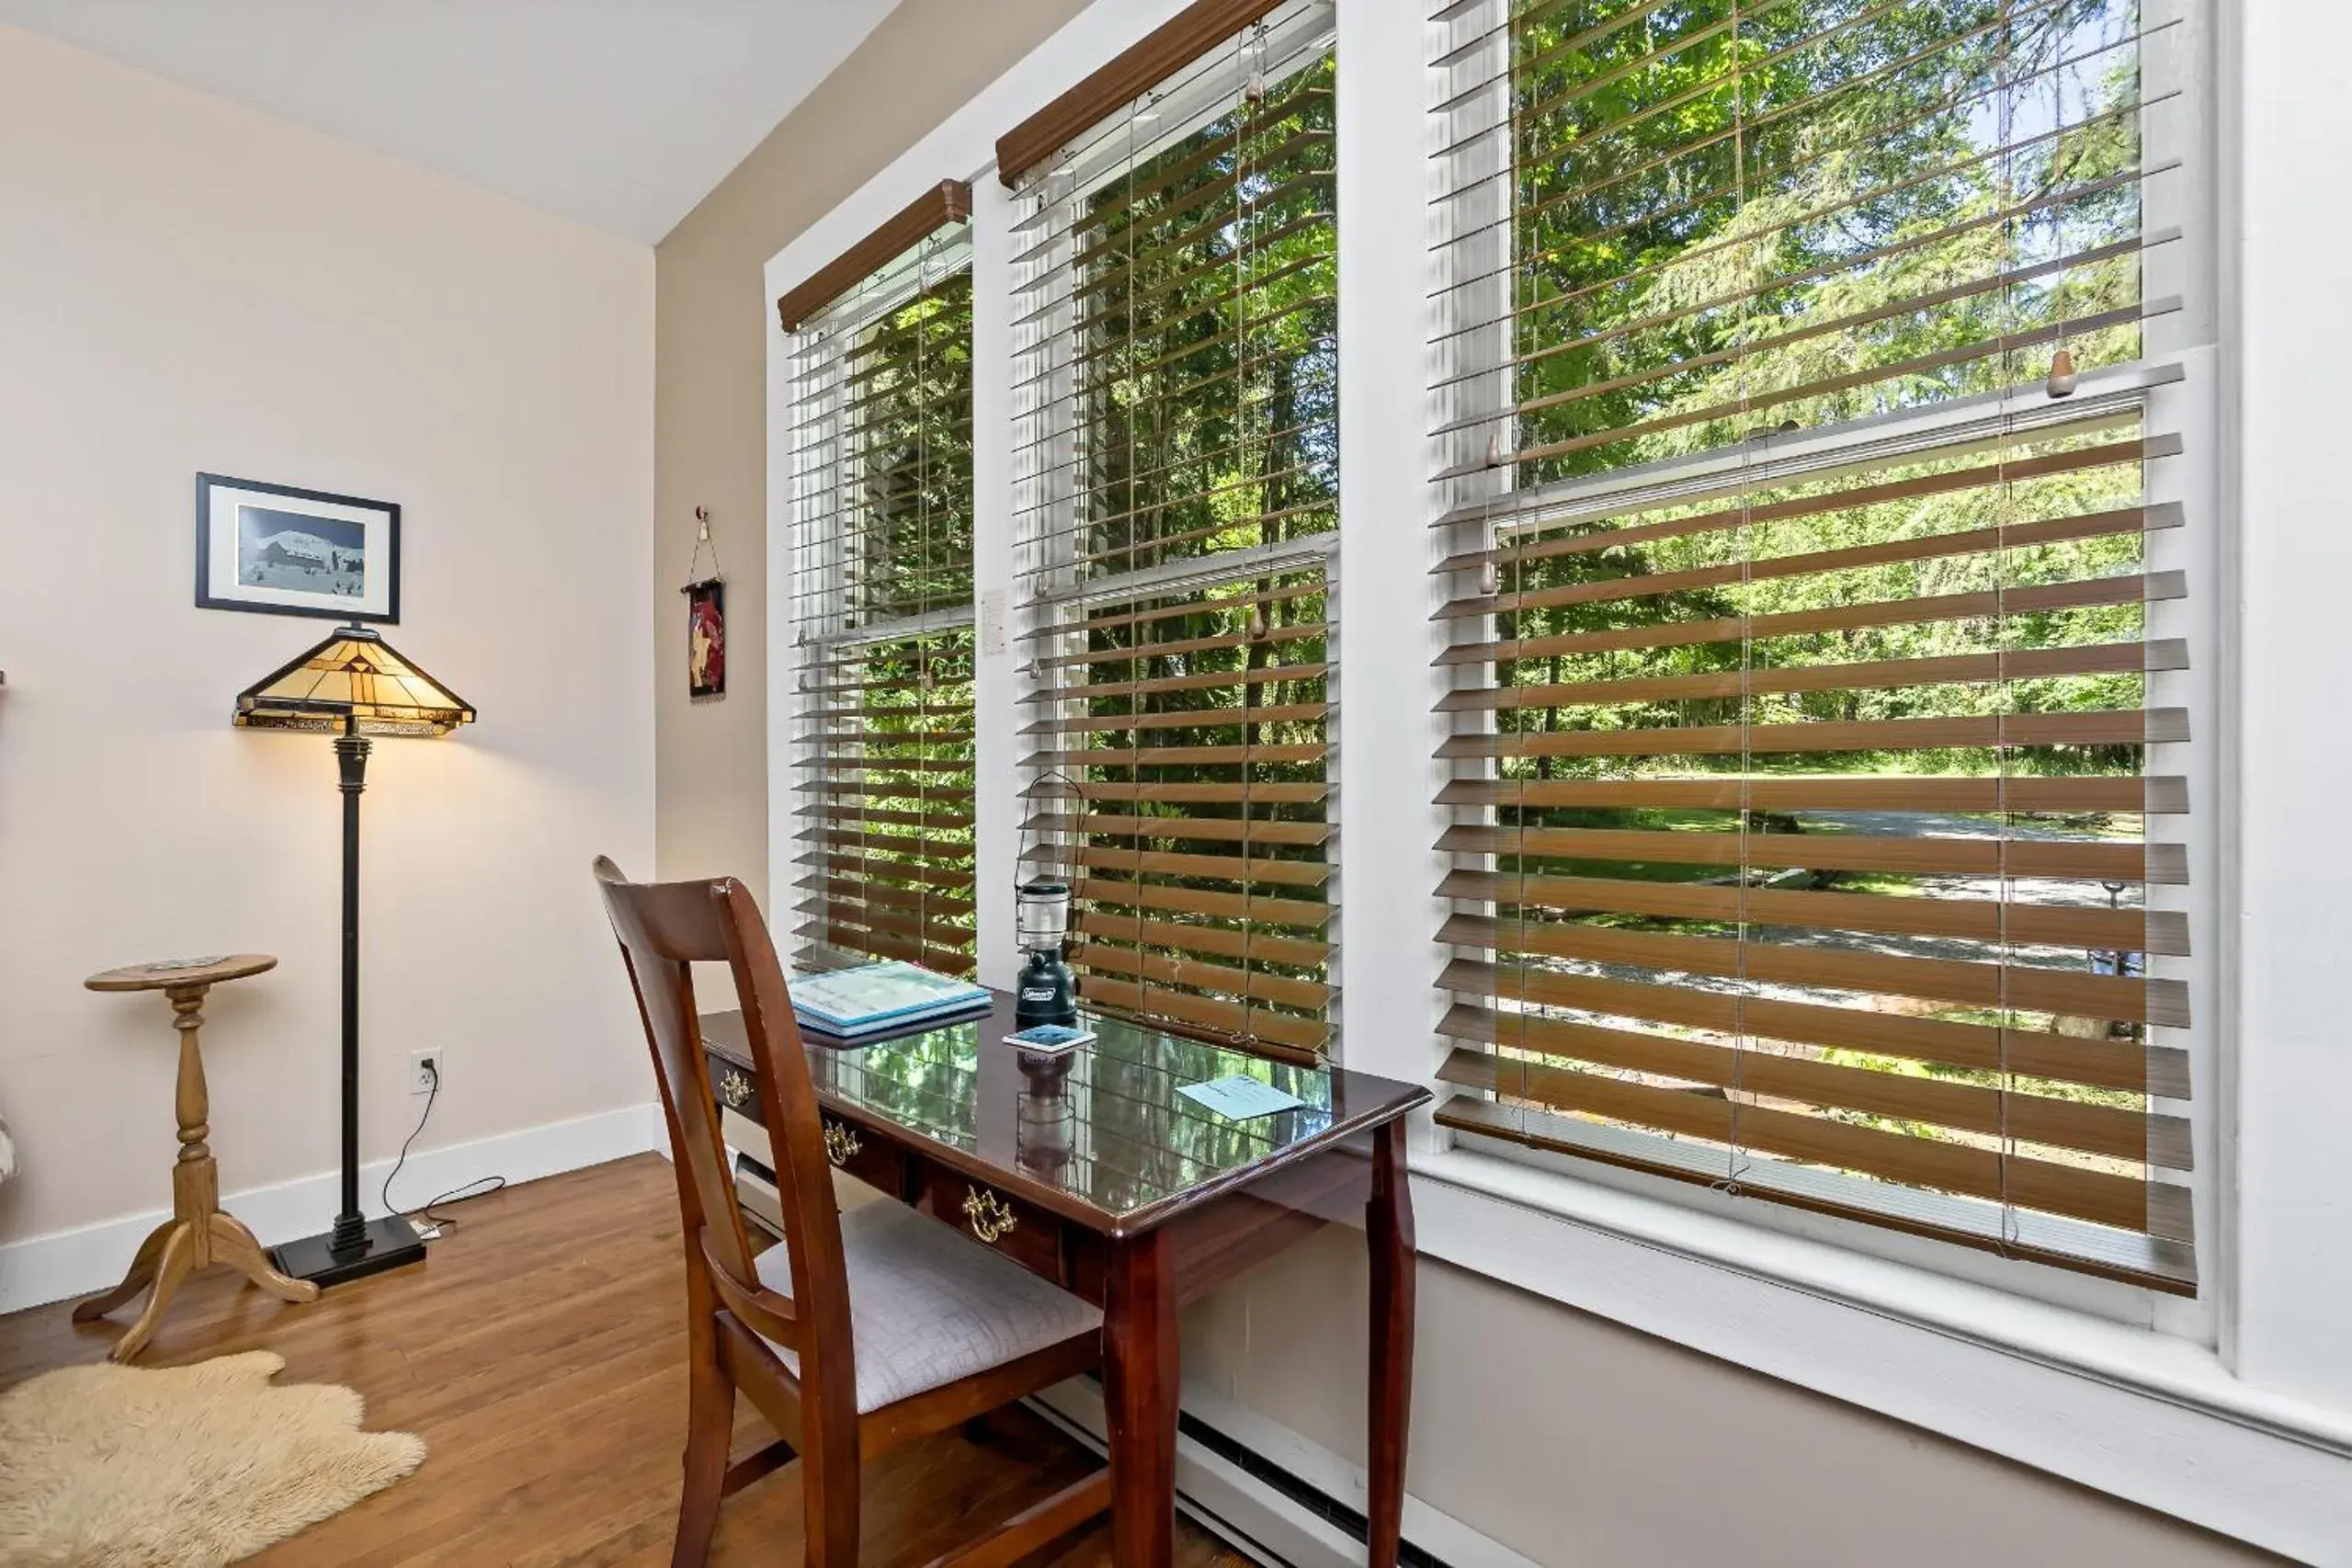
point(487, 1184)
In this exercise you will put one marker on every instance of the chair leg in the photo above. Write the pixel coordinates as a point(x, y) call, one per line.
point(710, 1431)
point(829, 1486)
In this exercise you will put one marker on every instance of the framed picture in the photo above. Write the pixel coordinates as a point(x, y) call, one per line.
point(279, 551)
point(706, 638)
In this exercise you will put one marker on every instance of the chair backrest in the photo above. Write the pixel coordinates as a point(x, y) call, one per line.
point(663, 928)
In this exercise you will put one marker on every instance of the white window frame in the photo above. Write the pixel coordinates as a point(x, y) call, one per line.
point(2249, 1434)
point(2172, 383)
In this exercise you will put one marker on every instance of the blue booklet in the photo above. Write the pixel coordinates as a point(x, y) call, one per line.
point(873, 997)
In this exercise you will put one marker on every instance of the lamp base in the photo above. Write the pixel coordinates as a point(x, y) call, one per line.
point(386, 1243)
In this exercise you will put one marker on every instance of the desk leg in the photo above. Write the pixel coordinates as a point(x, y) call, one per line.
point(1140, 1393)
point(1388, 1228)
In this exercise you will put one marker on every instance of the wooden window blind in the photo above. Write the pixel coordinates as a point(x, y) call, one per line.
point(1818, 818)
point(881, 603)
point(1175, 401)
point(1181, 746)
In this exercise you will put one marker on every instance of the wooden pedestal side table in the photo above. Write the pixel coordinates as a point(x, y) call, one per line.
point(198, 1233)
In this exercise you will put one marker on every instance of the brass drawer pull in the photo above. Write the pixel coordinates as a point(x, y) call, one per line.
point(734, 1088)
point(841, 1146)
point(990, 1215)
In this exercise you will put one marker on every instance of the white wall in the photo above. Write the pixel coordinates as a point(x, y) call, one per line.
point(185, 286)
point(2288, 228)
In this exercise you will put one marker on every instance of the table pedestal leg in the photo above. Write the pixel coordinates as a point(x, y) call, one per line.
point(143, 1273)
point(1141, 1375)
point(197, 1234)
point(177, 1252)
point(236, 1245)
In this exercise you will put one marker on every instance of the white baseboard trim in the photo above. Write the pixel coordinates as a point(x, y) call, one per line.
point(1263, 1521)
point(88, 1258)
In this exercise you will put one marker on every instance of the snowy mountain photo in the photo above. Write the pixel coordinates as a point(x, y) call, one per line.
point(296, 549)
point(279, 549)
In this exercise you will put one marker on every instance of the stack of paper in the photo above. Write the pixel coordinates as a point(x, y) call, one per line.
point(882, 999)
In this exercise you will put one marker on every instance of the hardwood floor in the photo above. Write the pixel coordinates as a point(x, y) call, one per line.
point(554, 1410)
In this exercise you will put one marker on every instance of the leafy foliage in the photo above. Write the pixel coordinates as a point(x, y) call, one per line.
point(1207, 420)
point(891, 820)
point(1737, 221)
point(1208, 304)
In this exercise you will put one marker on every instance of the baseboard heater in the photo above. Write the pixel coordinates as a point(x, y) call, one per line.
point(1297, 1488)
point(1259, 1506)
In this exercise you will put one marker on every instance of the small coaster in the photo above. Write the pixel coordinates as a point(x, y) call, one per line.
point(1049, 1039)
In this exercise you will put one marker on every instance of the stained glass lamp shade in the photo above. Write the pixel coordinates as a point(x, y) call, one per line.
point(354, 683)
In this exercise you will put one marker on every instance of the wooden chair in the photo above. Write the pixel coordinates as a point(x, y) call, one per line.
point(843, 1336)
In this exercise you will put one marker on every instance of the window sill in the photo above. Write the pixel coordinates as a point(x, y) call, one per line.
point(2155, 1419)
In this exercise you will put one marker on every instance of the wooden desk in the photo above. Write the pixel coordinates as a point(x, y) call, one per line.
point(1091, 1170)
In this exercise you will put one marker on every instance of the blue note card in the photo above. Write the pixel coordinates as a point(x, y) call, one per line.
point(1240, 1098)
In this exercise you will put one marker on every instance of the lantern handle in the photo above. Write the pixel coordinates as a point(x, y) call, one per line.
point(1022, 844)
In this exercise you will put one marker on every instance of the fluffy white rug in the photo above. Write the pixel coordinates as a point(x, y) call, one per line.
point(180, 1467)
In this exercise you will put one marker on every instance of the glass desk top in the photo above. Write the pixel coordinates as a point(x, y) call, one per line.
point(1098, 1133)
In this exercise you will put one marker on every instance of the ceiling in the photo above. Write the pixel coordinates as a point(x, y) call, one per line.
point(620, 113)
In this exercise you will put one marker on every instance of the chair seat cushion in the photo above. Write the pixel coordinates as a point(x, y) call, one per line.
point(928, 1307)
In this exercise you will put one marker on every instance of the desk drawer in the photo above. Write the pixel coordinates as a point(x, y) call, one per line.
point(736, 1089)
point(852, 1149)
point(858, 1151)
point(1022, 1232)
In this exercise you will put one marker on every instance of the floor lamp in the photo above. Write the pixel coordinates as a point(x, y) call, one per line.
point(353, 686)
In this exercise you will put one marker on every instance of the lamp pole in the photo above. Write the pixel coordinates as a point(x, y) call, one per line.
point(357, 1247)
point(351, 765)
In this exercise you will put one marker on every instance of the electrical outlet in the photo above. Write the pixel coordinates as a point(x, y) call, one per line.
point(424, 1068)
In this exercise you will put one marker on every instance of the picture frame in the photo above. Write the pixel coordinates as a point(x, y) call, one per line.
point(281, 549)
point(706, 638)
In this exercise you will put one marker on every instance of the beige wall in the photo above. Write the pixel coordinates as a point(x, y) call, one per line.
point(1568, 1437)
point(710, 443)
point(187, 286)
